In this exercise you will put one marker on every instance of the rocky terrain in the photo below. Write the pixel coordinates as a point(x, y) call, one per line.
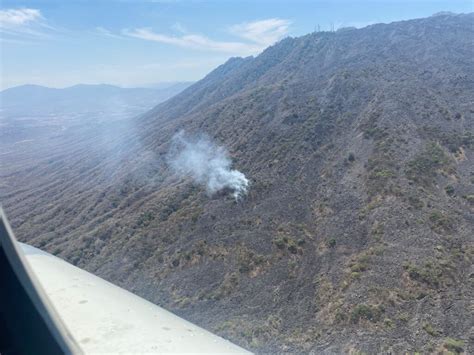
point(357, 233)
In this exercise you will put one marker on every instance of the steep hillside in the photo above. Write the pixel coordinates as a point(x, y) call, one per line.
point(357, 231)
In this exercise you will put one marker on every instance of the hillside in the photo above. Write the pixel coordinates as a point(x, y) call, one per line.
point(357, 231)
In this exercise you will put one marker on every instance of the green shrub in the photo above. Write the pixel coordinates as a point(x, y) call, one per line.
point(449, 190)
point(248, 260)
point(454, 345)
point(358, 267)
point(145, 218)
point(355, 275)
point(403, 317)
point(279, 242)
point(424, 167)
point(361, 262)
point(388, 322)
point(383, 173)
point(363, 311)
point(292, 247)
point(331, 243)
point(430, 330)
point(440, 222)
point(429, 274)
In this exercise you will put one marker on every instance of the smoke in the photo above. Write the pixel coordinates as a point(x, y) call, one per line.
point(207, 164)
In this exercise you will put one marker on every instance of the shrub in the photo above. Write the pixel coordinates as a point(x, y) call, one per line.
point(429, 274)
point(383, 173)
point(279, 243)
point(441, 222)
point(403, 317)
point(145, 218)
point(388, 322)
point(430, 330)
point(454, 345)
point(351, 157)
point(227, 287)
point(416, 202)
point(248, 260)
point(424, 167)
point(363, 311)
point(381, 169)
point(361, 263)
point(358, 267)
point(449, 190)
point(292, 247)
point(331, 243)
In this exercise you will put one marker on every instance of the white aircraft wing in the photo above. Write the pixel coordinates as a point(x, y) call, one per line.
point(94, 316)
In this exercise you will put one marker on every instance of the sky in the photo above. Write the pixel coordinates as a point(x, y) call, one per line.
point(136, 43)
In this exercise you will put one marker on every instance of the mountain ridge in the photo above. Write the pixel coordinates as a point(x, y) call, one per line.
point(79, 86)
point(83, 97)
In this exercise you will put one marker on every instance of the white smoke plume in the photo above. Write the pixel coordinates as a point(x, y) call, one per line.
point(207, 164)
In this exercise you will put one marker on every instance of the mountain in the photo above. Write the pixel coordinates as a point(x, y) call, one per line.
point(356, 234)
point(34, 99)
point(35, 118)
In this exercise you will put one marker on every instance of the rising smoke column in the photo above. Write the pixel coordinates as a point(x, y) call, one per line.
point(206, 163)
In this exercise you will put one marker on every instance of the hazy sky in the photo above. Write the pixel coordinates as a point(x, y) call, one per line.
point(139, 42)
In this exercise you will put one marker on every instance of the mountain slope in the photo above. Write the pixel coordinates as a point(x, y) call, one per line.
point(357, 232)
